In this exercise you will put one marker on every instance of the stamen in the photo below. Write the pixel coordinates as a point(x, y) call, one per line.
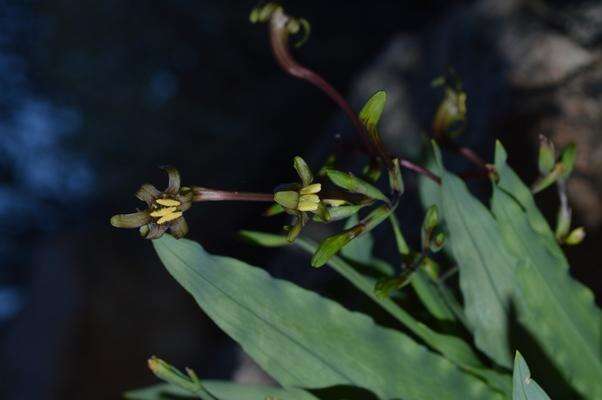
point(168, 202)
point(307, 206)
point(162, 212)
point(310, 197)
point(311, 189)
point(169, 217)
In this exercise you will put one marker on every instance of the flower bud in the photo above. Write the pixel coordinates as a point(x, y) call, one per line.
point(575, 237)
point(547, 155)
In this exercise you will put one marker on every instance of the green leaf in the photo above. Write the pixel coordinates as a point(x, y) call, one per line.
point(303, 339)
point(510, 182)
point(548, 180)
point(371, 112)
point(272, 210)
point(400, 241)
point(431, 297)
point(557, 310)
point(524, 387)
point(172, 375)
point(264, 239)
point(303, 171)
point(341, 212)
point(354, 184)
point(453, 348)
point(486, 268)
point(159, 392)
point(222, 390)
point(331, 246)
point(360, 249)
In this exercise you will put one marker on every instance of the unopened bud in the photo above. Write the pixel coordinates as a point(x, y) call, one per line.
point(547, 155)
point(263, 12)
point(431, 219)
point(567, 159)
point(438, 242)
point(575, 237)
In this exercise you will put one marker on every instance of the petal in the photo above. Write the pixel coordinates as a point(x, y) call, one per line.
point(287, 199)
point(154, 231)
point(311, 189)
point(303, 171)
point(147, 193)
point(179, 228)
point(173, 187)
point(133, 220)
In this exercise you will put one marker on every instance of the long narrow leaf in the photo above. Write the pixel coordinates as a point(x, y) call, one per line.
point(525, 388)
point(486, 266)
point(453, 348)
point(305, 340)
point(557, 310)
point(220, 389)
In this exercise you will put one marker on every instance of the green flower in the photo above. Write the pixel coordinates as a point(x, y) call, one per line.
point(299, 199)
point(165, 209)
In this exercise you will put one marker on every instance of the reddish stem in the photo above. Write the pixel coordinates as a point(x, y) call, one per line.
point(465, 152)
point(280, 47)
point(205, 194)
point(421, 170)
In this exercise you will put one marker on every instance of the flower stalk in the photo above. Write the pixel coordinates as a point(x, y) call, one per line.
point(281, 26)
point(201, 194)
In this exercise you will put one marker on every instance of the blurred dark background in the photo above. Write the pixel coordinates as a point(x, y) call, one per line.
point(95, 95)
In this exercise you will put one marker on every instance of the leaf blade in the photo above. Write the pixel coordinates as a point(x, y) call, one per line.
point(275, 323)
point(556, 309)
point(524, 388)
point(486, 268)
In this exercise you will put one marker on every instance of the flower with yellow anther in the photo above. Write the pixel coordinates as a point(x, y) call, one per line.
point(299, 199)
point(165, 209)
point(308, 199)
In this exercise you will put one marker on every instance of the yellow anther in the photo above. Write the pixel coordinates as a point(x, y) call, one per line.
point(313, 198)
point(168, 202)
point(162, 212)
point(311, 189)
point(169, 217)
point(307, 206)
point(334, 202)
